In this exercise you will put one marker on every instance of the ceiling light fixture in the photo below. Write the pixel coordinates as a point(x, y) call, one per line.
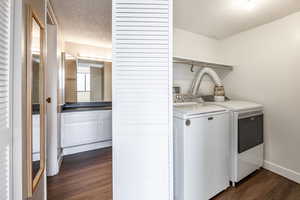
point(249, 4)
point(244, 4)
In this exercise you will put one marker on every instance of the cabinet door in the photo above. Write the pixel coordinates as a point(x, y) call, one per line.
point(206, 156)
point(81, 128)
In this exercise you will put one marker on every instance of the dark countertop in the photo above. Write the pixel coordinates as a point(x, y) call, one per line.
point(85, 109)
point(86, 106)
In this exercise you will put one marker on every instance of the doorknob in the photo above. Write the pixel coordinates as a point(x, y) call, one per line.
point(48, 100)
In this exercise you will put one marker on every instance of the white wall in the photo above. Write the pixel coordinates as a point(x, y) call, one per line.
point(183, 76)
point(194, 46)
point(267, 69)
point(198, 47)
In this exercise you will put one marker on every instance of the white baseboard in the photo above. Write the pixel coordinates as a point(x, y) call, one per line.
point(287, 173)
point(60, 158)
point(54, 170)
point(86, 147)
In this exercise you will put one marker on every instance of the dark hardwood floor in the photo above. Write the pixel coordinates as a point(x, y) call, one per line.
point(84, 176)
point(88, 176)
point(262, 185)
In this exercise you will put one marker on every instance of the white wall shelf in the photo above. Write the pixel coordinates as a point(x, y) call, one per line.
point(201, 63)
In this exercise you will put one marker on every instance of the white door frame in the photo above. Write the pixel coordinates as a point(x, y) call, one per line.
point(53, 154)
point(17, 96)
point(17, 99)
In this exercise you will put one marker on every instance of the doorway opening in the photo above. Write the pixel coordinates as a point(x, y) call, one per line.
point(79, 99)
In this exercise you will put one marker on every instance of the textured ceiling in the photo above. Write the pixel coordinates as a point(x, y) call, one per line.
point(89, 21)
point(85, 21)
point(222, 18)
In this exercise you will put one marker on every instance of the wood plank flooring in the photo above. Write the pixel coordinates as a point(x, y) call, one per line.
point(87, 176)
point(262, 185)
point(84, 176)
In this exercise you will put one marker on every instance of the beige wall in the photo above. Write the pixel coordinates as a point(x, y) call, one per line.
point(76, 49)
point(70, 81)
point(107, 81)
point(267, 71)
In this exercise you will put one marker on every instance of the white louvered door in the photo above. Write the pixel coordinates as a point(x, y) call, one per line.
point(5, 110)
point(142, 100)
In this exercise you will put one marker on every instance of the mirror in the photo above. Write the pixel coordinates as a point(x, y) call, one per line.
point(36, 69)
point(87, 81)
point(35, 104)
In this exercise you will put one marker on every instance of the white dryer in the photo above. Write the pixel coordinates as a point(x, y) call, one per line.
point(201, 151)
point(247, 142)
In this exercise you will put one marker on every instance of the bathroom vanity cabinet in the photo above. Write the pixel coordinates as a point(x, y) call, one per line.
point(85, 130)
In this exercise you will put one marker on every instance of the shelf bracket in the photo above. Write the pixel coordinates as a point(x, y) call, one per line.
point(192, 68)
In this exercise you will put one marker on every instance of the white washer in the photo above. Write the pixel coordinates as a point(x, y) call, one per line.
point(201, 151)
point(246, 138)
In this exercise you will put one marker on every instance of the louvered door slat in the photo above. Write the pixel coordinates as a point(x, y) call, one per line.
point(142, 114)
point(141, 28)
point(3, 32)
point(5, 134)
